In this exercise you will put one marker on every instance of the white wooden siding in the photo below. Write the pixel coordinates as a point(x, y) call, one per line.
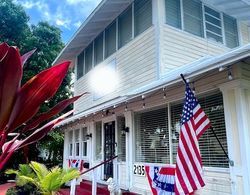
point(135, 65)
point(179, 48)
point(244, 33)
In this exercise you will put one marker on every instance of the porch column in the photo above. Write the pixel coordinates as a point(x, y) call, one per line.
point(65, 149)
point(129, 147)
point(236, 97)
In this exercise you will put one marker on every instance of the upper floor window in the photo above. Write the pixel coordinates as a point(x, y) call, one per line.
point(130, 23)
point(142, 15)
point(125, 27)
point(110, 40)
point(88, 58)
point(80, 65)
point(98, 49)
point(202, 21)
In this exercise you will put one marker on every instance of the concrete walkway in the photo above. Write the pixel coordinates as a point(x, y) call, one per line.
point(5, 187)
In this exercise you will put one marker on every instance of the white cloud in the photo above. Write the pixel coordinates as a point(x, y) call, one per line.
point(82, 1)
point(77, 24)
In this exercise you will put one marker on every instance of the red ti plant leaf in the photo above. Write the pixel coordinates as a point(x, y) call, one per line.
point(7, 150)
point(52, 112)
point(38, 89)
point(3, 50)
point(41, 132)
point(10, 77)
point(26, 56)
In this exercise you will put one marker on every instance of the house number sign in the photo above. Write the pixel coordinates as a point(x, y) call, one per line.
point(139, 170)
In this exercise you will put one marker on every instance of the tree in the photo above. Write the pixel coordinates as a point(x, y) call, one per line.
point(14, 23)
point(46, 38)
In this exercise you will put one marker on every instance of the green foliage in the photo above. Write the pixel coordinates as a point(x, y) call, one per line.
point(48, 182)
point(46, 38)
point(13, 22)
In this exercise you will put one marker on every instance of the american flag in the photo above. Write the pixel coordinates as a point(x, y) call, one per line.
point(188, 174)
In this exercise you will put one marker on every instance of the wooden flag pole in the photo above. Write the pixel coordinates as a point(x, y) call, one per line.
point(231, 163)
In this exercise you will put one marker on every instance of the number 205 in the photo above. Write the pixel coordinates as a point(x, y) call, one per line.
point(139, 170)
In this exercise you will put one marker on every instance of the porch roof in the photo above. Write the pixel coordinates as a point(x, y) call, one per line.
point(191, 70)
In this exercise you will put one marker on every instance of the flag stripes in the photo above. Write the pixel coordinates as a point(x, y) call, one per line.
point(194, 122)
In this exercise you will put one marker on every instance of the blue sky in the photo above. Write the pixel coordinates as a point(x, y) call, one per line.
point(65, 14)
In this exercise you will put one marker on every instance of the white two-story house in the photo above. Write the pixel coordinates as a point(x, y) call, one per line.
point(129, 55)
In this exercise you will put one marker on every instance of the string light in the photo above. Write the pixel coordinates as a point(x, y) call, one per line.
point(164, 90)
point(230, 76)
point(193, 88)
point(126, 108)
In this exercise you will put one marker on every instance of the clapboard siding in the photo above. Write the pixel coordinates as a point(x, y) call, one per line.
point(179, 48)
point(135, 65)
point(244, 31)
point(245, 71)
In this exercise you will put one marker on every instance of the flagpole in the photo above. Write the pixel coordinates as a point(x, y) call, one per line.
point(231, 163)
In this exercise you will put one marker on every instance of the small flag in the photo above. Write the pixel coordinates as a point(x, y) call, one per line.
point(189, 174)
point(161, 179)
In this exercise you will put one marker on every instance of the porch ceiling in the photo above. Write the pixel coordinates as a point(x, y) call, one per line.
point(239, 9)
point(102, 16)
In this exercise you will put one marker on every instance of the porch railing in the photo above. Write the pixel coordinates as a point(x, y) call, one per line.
point(94, 184)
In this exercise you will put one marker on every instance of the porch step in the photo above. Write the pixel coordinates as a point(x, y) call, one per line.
point(86, 186)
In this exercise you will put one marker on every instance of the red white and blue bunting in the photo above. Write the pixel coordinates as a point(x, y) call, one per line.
point(161, 179)
point(76, 163)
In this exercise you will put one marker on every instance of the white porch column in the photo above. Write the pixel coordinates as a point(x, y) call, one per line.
point(236, 97)
point(65, 149)
point(129, 147)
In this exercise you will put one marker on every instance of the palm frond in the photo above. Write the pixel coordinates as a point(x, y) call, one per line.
point(40, 169)
point(69, 174)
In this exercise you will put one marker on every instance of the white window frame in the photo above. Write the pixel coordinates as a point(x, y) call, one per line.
point(83, 142)
point(71, 143)
point(204, 24)
point(77, 142)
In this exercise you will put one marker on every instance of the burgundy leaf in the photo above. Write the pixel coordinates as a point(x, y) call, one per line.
point(10, 77)
point(55, 110)
point(41, 132)
point(26, 56)
point(38, 89)
point(3, 50)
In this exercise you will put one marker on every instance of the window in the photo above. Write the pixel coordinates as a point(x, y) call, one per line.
point(189, 15)
point(212, 154)
point(173, 13)
point(152, 137)
point(213, 25)
point(98, 140)
point(125, 27)
point(231, 33)
point(84, 142)
point(80, 65)
point(71, 143)
point(110, 39)
point(98, 49)
point(192, 11)
point(142, 15)
point(88, 58)
point(77, 142)
point(121, 138)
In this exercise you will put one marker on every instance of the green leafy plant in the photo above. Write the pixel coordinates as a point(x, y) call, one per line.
point(48, 182)
point(19, 105)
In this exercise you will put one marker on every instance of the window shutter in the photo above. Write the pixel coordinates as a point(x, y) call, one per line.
point(125, 27)
point(121, 138)
point(231, 32)
point(88, 58)
point(213, 24)
point(152, 137)
point(142, 15)
point(110, 40)
point(98, 140)
point(193, 22)
point(80, 64)
point(98, 49)
point(211, 152)
point(173, 13)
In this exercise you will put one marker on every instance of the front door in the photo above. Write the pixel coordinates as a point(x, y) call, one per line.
point(109, 148)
